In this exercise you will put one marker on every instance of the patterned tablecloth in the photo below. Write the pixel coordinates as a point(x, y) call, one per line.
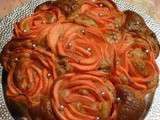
point(152, 8)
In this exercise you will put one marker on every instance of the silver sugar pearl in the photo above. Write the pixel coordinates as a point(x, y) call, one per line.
point(49, 74)
point(83, 31)
point(70, 45)
point(101, 5)
point(61, 108)
point(102, 93)
point(116, 25)
point(33, 45)
point(24, 30)
point(101, 15)
point(147, 51)
point(89, 49)
point(97, 118)
point(118, 99)
point(16, 59)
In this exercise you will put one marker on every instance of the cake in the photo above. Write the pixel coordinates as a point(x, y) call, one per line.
point(81, 60)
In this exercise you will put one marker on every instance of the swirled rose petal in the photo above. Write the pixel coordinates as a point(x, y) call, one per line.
point(102, 14)
point(32, 26)
point(82, 46)
point(31, 76)
point(83, 96)
point(136, 64)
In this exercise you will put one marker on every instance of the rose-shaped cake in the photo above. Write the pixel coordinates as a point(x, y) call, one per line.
point(31, 74)
point(135, 63)
point(76, 43)
point(84, 96)
point(81, 60)
point(103, 14)
point(36, 24)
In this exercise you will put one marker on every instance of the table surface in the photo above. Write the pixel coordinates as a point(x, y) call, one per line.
point(152, 6)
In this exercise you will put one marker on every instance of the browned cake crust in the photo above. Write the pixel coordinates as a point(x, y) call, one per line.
point(135, 23)
point(131, 105)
